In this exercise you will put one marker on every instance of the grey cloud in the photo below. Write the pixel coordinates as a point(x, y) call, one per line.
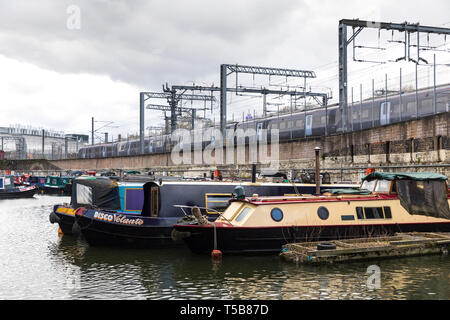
point(142, 42)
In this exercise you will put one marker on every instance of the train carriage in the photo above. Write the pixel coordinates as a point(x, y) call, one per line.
point(380, 111)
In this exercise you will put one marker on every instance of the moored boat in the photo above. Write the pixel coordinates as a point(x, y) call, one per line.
point(131, 199)
point(37, 181)
point(385, 204)
point(157, 214)
point(9, 191)
point(57, 185)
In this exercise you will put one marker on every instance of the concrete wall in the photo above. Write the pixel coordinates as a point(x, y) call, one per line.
point(27, 165)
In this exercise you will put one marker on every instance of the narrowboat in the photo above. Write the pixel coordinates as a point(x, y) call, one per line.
point(385, 203)
point(57, 185)
point(17, 180)
point(131, 199)
point(151, 222)
point(37, 181)
point(9, 191)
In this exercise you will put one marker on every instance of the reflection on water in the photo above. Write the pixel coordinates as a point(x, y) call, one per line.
point(36, 263)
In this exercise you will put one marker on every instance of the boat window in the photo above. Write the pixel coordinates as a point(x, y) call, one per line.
point(368, 185)
point(243, 214)
point(387, 213)
point(276, 214)
point(373, 213)
point(154, 205)
point(383, 186)
point(217, 202)
point(359, 213)
point(84, 194)
point(323, 213)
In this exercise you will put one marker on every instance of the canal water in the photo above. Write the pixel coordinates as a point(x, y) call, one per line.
point(37, 263)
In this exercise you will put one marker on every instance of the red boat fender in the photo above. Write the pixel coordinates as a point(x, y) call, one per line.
point(216, 255)
point(79, 211)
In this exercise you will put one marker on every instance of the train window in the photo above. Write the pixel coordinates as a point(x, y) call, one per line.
point(282, 125)
point(323, 120)
point(411, 108)
point(394, 107)
point(332, 117)
point(273, 126)
point(290, 123)
point(299, 123)
point(337, 117)
point(365, 114)
point(427, 105)
point(441, 103)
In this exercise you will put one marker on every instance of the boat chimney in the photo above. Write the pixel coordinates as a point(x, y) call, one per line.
point(317, 176)
point(253, 173)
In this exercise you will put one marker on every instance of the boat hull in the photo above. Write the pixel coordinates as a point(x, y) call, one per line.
point(66, 191)
point(240, 240)
point(150, 233)
point(28, 192)
point(65, 222)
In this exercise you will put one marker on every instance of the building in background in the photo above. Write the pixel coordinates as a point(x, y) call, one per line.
point(27, 142)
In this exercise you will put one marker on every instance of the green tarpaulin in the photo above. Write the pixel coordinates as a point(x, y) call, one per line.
point(348, 191)
point(417, 176)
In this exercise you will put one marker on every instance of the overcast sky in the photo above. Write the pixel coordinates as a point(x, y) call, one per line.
point(57, 72)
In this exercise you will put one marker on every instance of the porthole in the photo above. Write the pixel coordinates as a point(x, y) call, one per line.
point(276, 214)
point(323, 213)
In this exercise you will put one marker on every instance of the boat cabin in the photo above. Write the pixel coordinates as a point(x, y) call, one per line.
point(57, 182)
point(37, 181)
point(418, 194)
point(6, 182)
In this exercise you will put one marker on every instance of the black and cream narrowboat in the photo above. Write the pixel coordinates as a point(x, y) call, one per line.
point(385, 204)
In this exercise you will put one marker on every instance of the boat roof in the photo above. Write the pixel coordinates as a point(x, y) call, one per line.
point(311, 198)
point(418, 176)
point(247, 183)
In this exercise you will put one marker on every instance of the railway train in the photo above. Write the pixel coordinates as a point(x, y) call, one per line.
point(376, 112)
